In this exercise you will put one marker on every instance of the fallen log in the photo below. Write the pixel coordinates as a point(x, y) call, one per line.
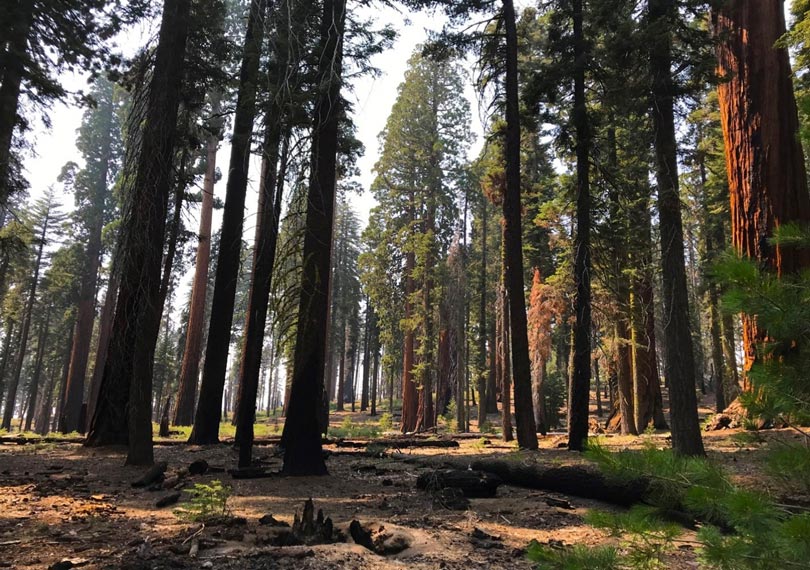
point(398, 443)
point(574, 480)
point(474, 484)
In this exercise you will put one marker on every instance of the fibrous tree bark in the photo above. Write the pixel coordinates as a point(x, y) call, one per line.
point(209, 403)
point(764, 157)
point(680, 360)
point(136, 324)
point(301, 438)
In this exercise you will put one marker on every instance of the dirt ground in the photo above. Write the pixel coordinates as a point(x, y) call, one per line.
point(63, 505)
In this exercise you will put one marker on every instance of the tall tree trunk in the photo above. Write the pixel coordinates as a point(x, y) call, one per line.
point(21, 18)
point(680, 363)
point(33, 387)
point(43, 419)
point(410, 398)
point(209, 403)
point(264, 258)
point(580, 386)
point(190, 367)
point(513, 247)
point(63, 380)
point(483, 371)
point(6, 355)
point(764, 157)
point(85, 315)
point(104, 332)
point(506, 380)
point(301, 437)
point(366, 348)
point(375, 355)
point(11, 397)
point(129, 365)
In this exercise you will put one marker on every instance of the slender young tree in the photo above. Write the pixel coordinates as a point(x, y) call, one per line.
point(579, 392)
point(209, 403)
point(680, 368)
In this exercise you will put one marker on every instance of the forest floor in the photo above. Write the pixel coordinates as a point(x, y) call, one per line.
point(63, 505)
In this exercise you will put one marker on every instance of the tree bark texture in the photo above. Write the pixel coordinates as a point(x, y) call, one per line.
point(764, 157)
point(130, 360)
point(680, 361)
point(302, 438)
point(209, 404)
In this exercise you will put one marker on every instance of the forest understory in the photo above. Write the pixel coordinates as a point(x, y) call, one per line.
point(64, 505)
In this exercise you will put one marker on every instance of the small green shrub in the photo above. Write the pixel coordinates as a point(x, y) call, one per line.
point(206, 503)
point(386, 422)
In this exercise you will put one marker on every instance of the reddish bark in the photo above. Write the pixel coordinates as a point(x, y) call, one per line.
point(764, 158)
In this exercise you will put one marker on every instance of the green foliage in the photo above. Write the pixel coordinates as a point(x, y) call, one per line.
point(743, 530)
point(791, 464)
point(450, 417)
point(577, 557)
point(207, 502)
point(386, 422)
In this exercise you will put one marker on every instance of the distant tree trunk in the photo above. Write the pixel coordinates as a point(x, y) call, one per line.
point(302, 438)
point(506, 380)
point(209, 403)
point(493, 374)
point(764, 157)
point(646, 380)
point(410, 398)
point(43, 419)
point(680, 363)
point(366, 348)
point(374, 347)
point(11, 397)
point(129, 366)
point(264, 258)
point(579, 390)
point(6, 354)
point(63, 380)
point(483, 371)
point(104, 330)
point(33, 389)
point(19, 20)
point(190, 368)
point(85, 315)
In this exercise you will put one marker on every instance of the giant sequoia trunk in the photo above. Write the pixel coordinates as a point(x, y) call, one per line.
point(580, 386)
point(80, 352)
point(190, 367)
point(209, 404)
point(302, 435)
point(513, 247)
point(764, 158)
point(680, 362)
point(15, 48)
point(130, 361)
